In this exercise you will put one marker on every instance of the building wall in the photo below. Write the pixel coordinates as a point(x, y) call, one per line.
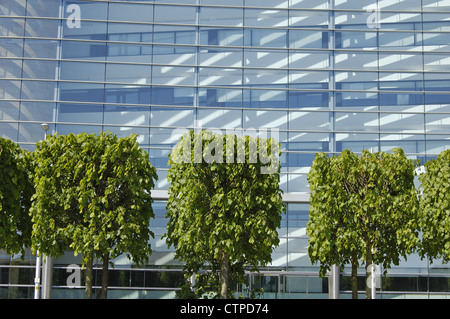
point(326, 74)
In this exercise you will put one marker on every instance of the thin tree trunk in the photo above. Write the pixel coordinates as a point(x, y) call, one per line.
point(104, 293)
point(368, 272)
point(224, 277)
point(354, 277)
point(89, 276)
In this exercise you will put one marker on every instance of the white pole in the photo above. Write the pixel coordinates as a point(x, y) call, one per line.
point(37, 276)
point(373, 278)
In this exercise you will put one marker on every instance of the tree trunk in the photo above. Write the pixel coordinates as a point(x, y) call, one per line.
point(104, 293)
point(89, 272)
point(369, 273)
point(354, 277)
point(224, 276)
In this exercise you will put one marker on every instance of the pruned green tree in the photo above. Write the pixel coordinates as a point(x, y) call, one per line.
point(93, 196)
point(435, 208)
point(224, 206)
point(363, 209)
point(16, 189)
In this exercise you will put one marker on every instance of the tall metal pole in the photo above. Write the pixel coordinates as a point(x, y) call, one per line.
point(373, 279)
point(47, 266)
point(37, 275)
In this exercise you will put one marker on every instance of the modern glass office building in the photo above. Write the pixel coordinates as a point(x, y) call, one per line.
point(327, 74)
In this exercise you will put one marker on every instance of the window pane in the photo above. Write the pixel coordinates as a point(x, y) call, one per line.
point(265, 38)
point(358, 60)
point(356, 121)
point(309, 121)
point(38, 90)
point(9, 89)
point(220, 97)
point(89, 10)
point(39, 69)
point(127, 94)
point(42, 28)
point(171, 75)
point(136, 53)
point(172, 96)
point(404, 123)
point(36, 111)
point(401, 61)
point(220, 57)
point(125, 32)
point(265, 98)
point(265, 119)
point(9, 110)
point(308, 39)
point(266, 77)
point(309, 60)
point(222, 119)
point(172, 117)
point(222, 37)
point(126, 115)
point(38, 48)
point(409, 143)
point(42, 8)
point(308, 19)
point(266, 18)
point(174, 55)
point(356, 142)
point(82, 71)
point(266, 59)
point(349, 39)
point(130, 12)
point(82, 92)
point(126, 73)
point(436, 62)
point(11, 68)
point(11, 47)
point(175, 14)
point(80, 113)
point(214, 76)
point(88, 31)
point(85, 50)
point(174, 34)
point(221, 16)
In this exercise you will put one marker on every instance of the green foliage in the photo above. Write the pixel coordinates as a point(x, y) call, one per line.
point(223, 206)
point(362, 207)
point(16, 189)
point(92, 197)
point(435, 208)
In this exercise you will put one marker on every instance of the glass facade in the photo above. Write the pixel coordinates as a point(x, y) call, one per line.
point(328, 74)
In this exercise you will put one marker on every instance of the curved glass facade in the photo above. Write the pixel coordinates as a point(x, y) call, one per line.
point(327, 74)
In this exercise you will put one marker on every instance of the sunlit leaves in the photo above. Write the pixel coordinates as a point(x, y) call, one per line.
point(362, 206)
point(435, 208)
point(16, 189)
point(93, 196)
point(223, 205)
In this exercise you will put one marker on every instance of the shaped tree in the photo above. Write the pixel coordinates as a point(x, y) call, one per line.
point(93, 197)
point(435, 208)
point(16, 189)
point(224, 206)
point(363, 208)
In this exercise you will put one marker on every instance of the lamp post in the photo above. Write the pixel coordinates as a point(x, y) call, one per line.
point(48, 261)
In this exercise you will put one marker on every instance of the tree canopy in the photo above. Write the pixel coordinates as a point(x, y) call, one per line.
point(224, 206)
point(93, 196)
point(363, 208)
point(16, 189)
point(435, 208)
